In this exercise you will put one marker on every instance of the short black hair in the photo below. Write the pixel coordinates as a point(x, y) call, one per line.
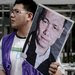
point(29, 5)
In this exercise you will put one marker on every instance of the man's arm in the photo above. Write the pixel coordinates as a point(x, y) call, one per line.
point(2, 72)
point(1, 67)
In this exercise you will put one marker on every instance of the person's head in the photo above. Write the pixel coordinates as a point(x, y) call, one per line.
point(50, 28)
point(22, 12)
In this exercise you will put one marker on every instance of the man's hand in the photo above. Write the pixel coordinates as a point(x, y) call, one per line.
point(2, 72)
point(53, 70)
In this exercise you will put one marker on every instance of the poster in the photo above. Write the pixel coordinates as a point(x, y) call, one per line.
point(47, 36)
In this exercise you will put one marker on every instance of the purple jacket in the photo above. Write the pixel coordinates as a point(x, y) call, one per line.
point(27, 69)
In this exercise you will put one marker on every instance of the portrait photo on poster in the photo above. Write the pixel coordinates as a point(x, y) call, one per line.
point(52, 30)
point(48, 35)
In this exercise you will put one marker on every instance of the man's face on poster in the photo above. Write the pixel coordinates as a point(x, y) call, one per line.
point(50, 29)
